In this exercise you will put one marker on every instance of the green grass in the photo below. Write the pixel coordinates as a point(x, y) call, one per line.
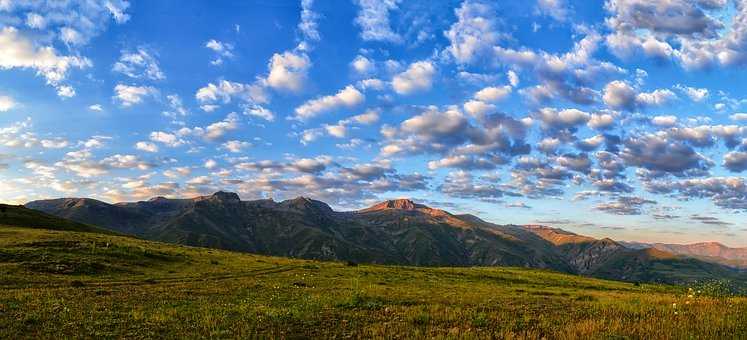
point(58, 284)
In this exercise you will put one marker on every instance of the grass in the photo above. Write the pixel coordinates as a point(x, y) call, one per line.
point(59, 284)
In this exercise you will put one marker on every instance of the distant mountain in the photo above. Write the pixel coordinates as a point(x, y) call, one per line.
point(20, 216)
point(706, 251)
point(390, 232)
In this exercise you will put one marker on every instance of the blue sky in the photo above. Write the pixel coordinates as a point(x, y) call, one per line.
point(620, 118)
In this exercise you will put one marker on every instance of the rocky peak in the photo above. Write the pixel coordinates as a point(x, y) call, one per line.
point(225, 196)
point(399, 204)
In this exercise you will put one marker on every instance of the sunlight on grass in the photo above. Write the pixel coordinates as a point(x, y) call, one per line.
point(125, 287)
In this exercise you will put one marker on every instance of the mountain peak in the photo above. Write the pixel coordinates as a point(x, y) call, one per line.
point(302, 203)
point(404, 204)
point(399, 204)
point(226, 196)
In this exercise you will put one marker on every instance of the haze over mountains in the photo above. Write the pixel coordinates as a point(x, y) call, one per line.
point(392, 232)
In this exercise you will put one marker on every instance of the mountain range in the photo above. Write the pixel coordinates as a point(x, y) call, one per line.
point(391, 232)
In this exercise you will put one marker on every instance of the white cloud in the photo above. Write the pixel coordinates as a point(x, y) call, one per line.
point(218, 129)
point(73, 23)
point(129, 95)
point(177, 172)
point(493, 94)
point(66, 91)
point(36, 21)
point(373, 84)
point(20, 52)
point(362, 65)
point(235, 145)
point(96, 107)
point(740, 117)
point(418, 77)
point(601, 121)
point(664, 121)
point(308, 24)
point(210, 164)
point(373, 19)
point(259, 111)
point(222, 50)
point(7, 103)
point(513, 78)
point(57, 143)
point(474, 33)
point(146, 146)
point(478, 108)
point(368, 117)
point(139, 64)
point(347, 97)
point(557, 9)
point(656, 98)
point(166, 138)
point(621, 95)
point(288, 71)
point(339, 130)
point(695, 94)
point(225, 90)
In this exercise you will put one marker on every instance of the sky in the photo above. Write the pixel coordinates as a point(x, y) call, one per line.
point(616, 118)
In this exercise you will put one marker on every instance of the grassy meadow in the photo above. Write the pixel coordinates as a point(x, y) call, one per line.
point(61, 284)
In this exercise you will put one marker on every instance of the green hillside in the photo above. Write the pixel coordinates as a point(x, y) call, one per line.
point(16, 215)
point(59, 284)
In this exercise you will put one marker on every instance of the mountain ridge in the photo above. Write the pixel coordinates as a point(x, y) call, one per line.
point(390, 232)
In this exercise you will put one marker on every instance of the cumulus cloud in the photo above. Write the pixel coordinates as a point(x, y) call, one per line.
point(236, 146)
point(736, 161)
point(347, 97)
point(567, 76)
point(621, 95)
point(658, 153)
point(288, 71)
point(553, 119)
point(166, 138)
point(493, 94)
point(601, 121)
point(451, 134)
point(362, 65)
point(20, 52)
point(725, 192)
point(219, 129)
point(687, 31)
point(418, 77)
point(696, 94)
point(665, 121)
point(225, 91)
point(146, 146)
point(558, 9)
point(222, 51)
point(373, 19)
point(129, 95)
point(475, 32)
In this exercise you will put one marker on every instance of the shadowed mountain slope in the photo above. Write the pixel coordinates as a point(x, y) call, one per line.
point(391, 232)
point(13, 215)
